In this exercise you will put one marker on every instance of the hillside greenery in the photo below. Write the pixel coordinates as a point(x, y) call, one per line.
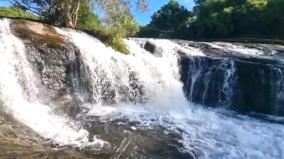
point(15, 12)
point(215, 19)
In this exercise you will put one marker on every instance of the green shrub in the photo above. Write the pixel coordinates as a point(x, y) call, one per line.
point(110, 37)
point(87, 20)
point(13, 12)
point(112, 33)
point(148, 32)
point(115, 30)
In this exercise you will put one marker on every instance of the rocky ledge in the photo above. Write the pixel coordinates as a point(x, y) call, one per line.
point(56, 61)
point(246, 77)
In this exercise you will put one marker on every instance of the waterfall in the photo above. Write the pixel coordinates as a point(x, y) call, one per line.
point(211, 134)
point(145, 89)
point(18, 94)
point(138, 78)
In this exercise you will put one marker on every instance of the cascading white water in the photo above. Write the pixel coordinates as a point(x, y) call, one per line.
point(18, 94)
point(158, 76)
point(213, 134)
point(141, 87)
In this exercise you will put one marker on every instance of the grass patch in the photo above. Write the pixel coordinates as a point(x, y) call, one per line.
point(13, 12)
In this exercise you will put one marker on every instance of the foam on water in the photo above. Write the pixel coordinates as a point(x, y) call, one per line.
point(164, 45)
point(237, 48)
point(16, 79)
point(210, 133)
point(158, 76)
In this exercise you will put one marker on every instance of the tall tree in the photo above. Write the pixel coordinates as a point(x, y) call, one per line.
point(59, 12)
point(65, 12)
point(274, 17)
point(172, 20)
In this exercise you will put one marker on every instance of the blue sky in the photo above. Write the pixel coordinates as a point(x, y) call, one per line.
point(155, 5)
point(144, 18)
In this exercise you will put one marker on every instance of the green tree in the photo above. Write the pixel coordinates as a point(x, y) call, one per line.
point(231, 18)
point(66, 12)
point(172, 20)
point(87, 20)
point(114, 22)
point(58, 12)
point(274, 17)
point(219, 19)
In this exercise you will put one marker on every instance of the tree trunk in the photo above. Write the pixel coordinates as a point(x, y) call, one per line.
point(75, 13)
point(69, 13)
point(66, 14)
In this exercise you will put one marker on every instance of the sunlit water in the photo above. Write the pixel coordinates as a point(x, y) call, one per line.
point(16, 80)
point(143, 88)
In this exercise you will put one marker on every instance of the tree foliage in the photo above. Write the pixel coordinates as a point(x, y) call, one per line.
point(111, 19)
point(172, 20)
point(58, 12)
point(16, 13)
point(170, 17)
point(221, 19)
point(67, 12)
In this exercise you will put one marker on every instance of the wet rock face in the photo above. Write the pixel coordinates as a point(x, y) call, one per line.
point(56, 62)
point(208, 81)
point(153, 49)
point(259, 88)
point(20, 141)
point(223, 77)
point(245, 85)
point(51, 64)
point(61, 70)
point(47, 51)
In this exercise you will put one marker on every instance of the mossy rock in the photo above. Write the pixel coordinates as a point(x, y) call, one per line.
point(37, 33)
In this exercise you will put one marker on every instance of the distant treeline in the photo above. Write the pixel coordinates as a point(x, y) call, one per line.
point(213, 19)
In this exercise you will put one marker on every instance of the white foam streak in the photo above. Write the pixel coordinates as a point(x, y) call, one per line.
point(235, 48)
point(164, 45)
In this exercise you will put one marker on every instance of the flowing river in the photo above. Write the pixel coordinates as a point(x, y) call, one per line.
point(136, 107)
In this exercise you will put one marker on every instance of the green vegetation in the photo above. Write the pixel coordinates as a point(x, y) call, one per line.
point(171, 20)
point(110, 37)
point(114, 22)
point(213, 19)
point(14, 12)
point(210, 19)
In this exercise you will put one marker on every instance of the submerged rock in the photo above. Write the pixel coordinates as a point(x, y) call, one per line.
point(19, 141)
